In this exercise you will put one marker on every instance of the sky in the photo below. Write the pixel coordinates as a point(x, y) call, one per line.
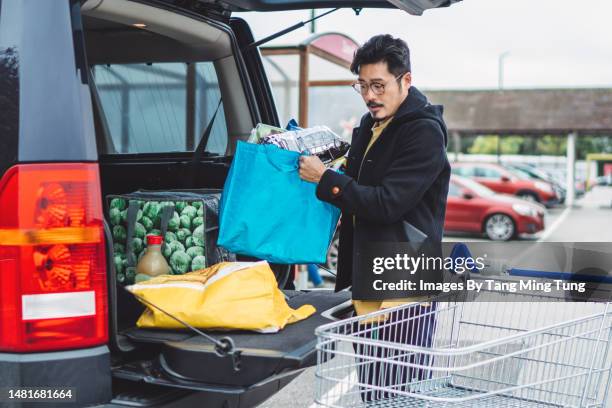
point(550, 43)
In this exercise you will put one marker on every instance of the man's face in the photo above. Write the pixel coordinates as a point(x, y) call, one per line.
point(386, 104)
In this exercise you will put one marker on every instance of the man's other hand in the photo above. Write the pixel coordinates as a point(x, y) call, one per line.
point(311, 168)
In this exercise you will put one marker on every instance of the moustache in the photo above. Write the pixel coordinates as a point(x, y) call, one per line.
point(374, 105)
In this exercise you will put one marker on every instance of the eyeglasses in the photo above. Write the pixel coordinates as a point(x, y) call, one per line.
point(377, 87)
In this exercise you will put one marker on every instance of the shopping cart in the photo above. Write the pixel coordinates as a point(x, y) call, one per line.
point(448, 353)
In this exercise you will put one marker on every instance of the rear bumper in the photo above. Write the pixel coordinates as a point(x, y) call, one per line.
point(85, 371)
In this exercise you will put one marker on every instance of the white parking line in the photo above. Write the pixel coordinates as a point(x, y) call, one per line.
point(555, 224)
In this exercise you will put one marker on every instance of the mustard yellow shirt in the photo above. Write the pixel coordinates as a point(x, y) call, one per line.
point(367, 306)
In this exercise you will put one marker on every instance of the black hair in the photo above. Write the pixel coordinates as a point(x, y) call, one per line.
point(383, 47)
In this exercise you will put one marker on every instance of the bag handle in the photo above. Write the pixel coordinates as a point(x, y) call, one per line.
point(167, 212)
point(285, 168)
point(132, 213)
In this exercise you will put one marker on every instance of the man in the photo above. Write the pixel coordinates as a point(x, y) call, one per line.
point(396, 179)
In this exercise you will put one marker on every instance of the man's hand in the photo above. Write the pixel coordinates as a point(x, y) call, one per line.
point(311, 168)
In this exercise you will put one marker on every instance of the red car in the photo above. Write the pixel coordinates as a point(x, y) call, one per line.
point(502, 180)
point(472, 207)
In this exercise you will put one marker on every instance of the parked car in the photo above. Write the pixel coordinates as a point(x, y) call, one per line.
point(538, 174)
point(472, 207)
point(502, 180)
point(101, 97)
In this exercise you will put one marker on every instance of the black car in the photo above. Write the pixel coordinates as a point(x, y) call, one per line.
point(105, 97)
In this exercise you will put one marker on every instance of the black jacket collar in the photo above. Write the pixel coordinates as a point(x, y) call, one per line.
point(414, 102)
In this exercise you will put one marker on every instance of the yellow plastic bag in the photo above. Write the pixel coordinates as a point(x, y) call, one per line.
point(228, 295)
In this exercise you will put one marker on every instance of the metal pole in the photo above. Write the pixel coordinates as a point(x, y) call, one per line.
point(190, 129)
point(303, 87)
point(571, 169)
point(457, 144)
point(313, 27)
point(500, 68)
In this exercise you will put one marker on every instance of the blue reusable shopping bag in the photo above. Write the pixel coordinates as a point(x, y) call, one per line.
point(268, 212)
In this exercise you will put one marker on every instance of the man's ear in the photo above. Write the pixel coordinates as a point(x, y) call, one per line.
point(407, 80)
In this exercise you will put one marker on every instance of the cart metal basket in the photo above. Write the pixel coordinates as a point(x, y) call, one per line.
point(468, 354)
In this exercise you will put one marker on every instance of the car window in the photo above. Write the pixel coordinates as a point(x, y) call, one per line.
point(454, 190)
point(477, 188)
point(161, 107)
point(487, 172)
point(465, 171)
point(523, 175)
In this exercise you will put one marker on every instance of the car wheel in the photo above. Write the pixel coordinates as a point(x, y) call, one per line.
point(529, 196)
point(332, 254)
point(499, 227)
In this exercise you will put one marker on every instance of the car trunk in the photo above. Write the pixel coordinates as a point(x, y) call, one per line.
point(184, 359)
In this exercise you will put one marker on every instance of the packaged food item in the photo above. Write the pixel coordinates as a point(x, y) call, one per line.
point(317, 140)
point(153, 263)
point(262, 130)
point(226, 296)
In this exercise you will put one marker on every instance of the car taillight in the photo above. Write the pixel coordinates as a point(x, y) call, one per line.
point(53, 291)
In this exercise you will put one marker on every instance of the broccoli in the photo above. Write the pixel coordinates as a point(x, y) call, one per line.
point(189, 242)
point(185, 221)
point(130, 273)
point(137, 245)
point(118, 203)
point(123, 216)
point(139, 231)
point(151, 209)
point(147, 223)
point(197, 204)
point(170, 236)
point(190, 211)
point(119, 233)
point(199, 262)
point(200, 212)
point(118, 260)
point(198, 236)
point(180, 262)
point(155, 232)
point(174, 222)
point(182, 234)
point(197, 221)
point(118, 248)
point(172, 247)
point(195, 251)
point(179, 206)
point(115, 216)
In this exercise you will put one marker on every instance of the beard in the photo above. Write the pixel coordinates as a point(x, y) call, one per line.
point(373, 114)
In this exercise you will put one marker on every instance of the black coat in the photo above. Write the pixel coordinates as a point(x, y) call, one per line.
point(403, 180)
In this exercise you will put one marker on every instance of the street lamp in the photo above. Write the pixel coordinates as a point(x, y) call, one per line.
point(500, 67)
